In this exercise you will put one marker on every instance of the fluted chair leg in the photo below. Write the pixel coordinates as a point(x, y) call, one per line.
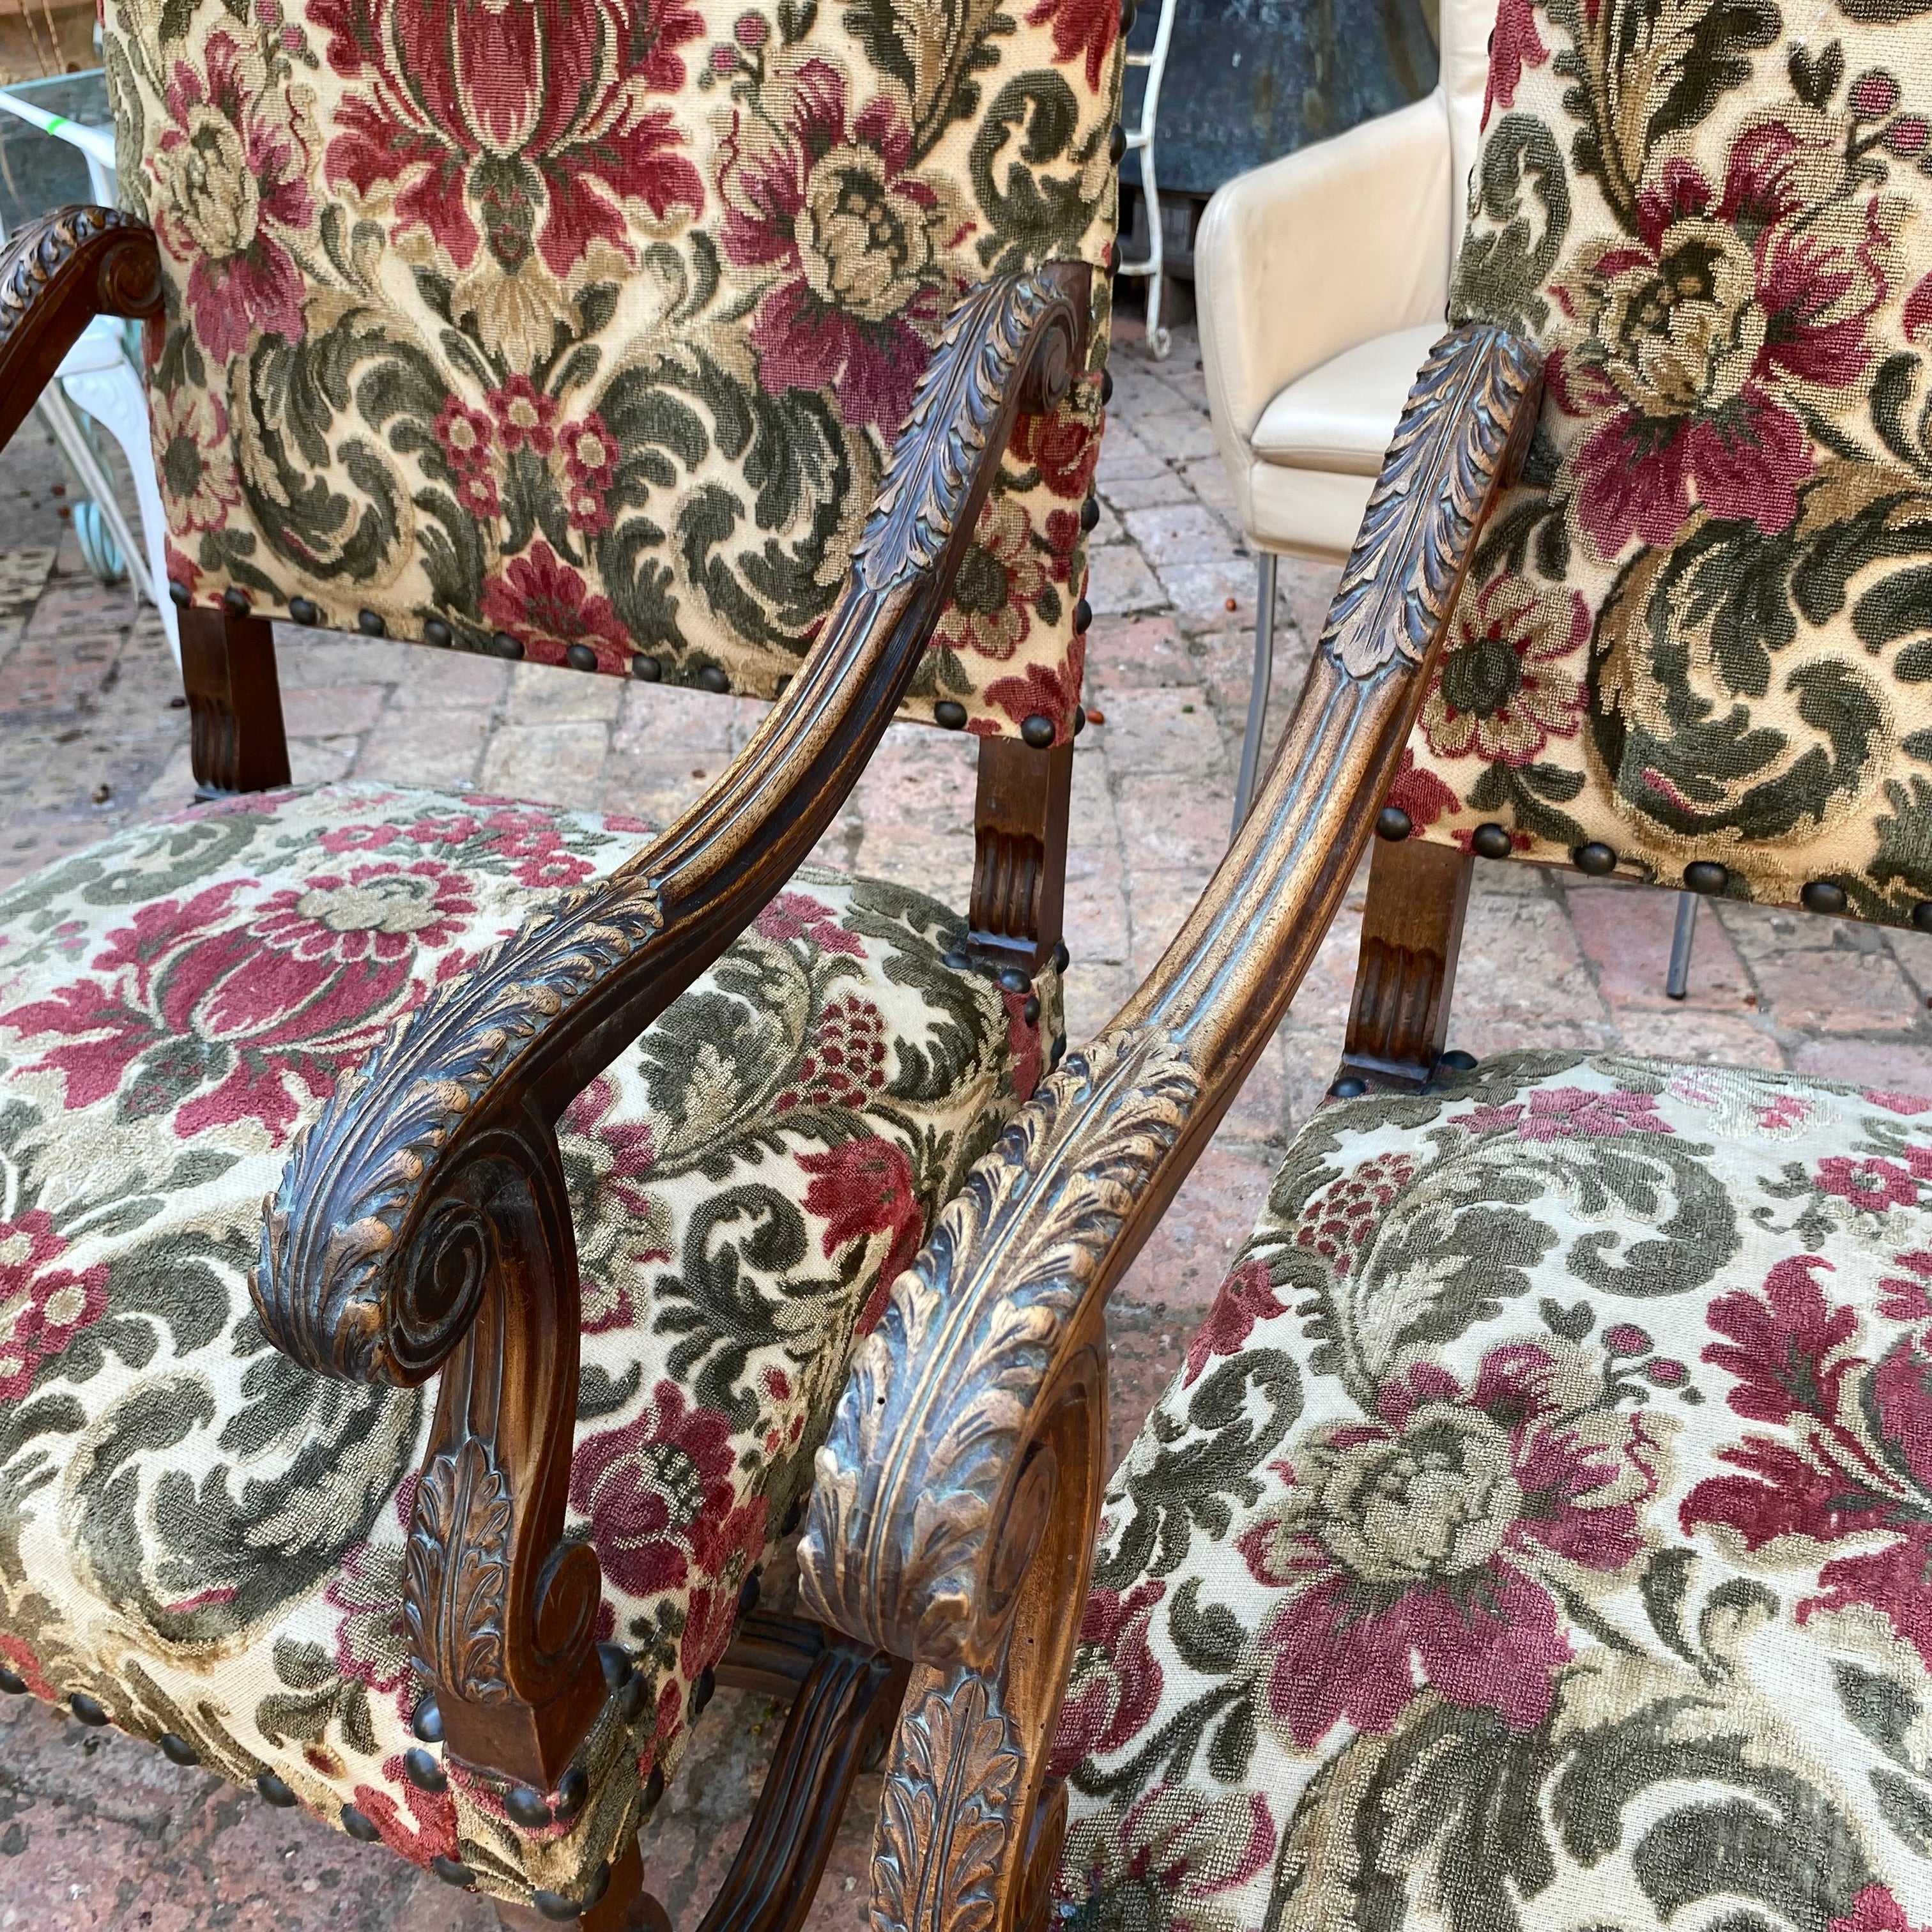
point(1257, 695)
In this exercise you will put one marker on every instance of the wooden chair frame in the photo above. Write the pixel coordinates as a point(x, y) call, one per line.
point(422, 1225)
point(957, 1498)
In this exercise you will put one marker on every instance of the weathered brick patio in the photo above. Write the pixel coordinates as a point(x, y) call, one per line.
point(97, 1831)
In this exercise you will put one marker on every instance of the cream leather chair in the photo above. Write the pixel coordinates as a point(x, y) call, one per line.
point(1322, 279)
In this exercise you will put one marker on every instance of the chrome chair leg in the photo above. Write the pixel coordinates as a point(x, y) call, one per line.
point(1677, 982)
point(1257, 695)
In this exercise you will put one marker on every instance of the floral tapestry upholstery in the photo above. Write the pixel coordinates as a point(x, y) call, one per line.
point(208, 1539)
point(580, 329)
point(1538, 1536)
point(1698, 630)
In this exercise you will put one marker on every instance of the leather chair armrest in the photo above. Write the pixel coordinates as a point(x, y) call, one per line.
point(1326, 248)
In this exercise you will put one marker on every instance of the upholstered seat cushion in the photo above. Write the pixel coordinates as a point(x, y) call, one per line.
point(208, 1540)
point(1538, 1535)
point(1342, 416)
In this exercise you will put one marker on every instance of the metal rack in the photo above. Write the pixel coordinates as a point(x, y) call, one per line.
point(1140, 141)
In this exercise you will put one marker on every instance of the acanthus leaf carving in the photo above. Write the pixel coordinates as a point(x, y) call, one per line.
point(927, 1440)
point(976, 365)
point(110, 257)
point(1463, 433)
point(329, 1285)
point(331, 1228)
point(457, 1577)
point(948, 1810)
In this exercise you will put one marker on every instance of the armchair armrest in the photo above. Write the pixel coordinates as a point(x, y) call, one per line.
point(953, 1517)
point(422, 1221)
point(56, 274)
point(1315, 253)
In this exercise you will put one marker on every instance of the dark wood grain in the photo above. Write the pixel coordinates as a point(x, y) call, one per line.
point(1019, 851)
point(235, 739)
point(1406, 970)
point(422, 1222)
point(952, 1516)
point(57, 274)
point(849, 1698)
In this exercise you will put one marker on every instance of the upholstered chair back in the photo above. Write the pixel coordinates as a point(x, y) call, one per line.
point(1696, 645)
point(579, 330)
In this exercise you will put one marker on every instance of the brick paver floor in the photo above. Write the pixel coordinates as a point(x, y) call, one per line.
point(98, 1831)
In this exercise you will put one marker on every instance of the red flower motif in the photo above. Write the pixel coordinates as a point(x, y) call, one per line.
point(524, 415)
point(283, 1007)
point(1247, 1296)
point(1421, 794)
point(428, 1832)
point(1907, 1300)
point(1063, 449)
point(1040, 691)
point(658, 1492)
point(543, 603)
point(477, 492)
point(1697, 321)
point(794, 916)
point(589, 453)
point(1827, 1481)
point(1439, 1534)
point(1085, 27)
point(1873, 1184)
point(464, 435)
point(383, 911)
point(846, 1063)
point(1895, 1102)
point(519, 128)
point(42, 1307)
point(850, 248)
point(1117, 1680)
point(1583, 1113)
point(1514, 44)
point(231, 182)
point(861, 1188)
point(1875, 1910)
point(1338, 1222)
point(1511, 679)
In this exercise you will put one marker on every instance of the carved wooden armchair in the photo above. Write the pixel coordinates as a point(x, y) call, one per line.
point(758, 349)
point(1536, 1535)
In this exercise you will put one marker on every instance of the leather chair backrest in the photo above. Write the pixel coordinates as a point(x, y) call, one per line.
point(1698, 637)
point(1465, 28)
point(580, 329)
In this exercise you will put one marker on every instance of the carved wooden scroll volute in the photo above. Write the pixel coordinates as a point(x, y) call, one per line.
point(59, 272)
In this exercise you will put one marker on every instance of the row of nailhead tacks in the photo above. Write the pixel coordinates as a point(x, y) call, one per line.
point(1703, 876)
point(1037, 731)
point(1011, 980)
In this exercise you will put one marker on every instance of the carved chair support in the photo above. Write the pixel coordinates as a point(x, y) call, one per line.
point(235, 740)
point(1411, 932)
point(56, 274)
point(953, 1517)
point(1019, 851)
point(421, 1222)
